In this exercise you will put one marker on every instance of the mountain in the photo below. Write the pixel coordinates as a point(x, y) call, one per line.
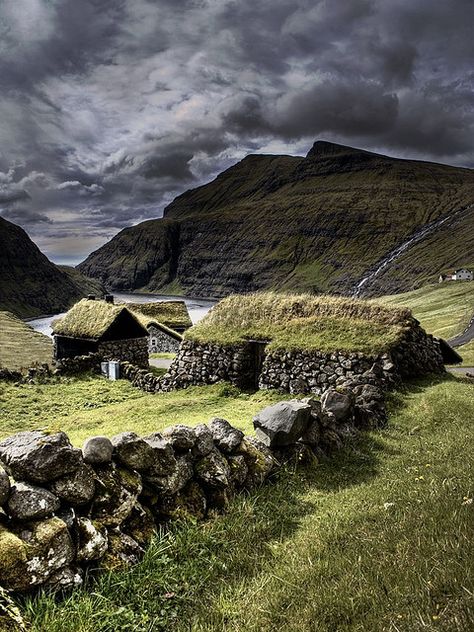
point(30, 284)
point(320, 223)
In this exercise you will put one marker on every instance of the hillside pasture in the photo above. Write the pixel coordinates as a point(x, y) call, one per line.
point(20, 345)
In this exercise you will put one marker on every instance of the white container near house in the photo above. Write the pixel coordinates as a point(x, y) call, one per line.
point(114, 370)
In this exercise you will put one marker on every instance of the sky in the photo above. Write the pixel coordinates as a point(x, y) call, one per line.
point(111, 108)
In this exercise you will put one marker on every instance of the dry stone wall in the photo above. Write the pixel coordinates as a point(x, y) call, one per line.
point(300, 371)
point(198, 364)
point(134, 350)
point(64, 510)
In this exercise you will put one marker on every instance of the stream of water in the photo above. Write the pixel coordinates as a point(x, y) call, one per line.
point(400, 250)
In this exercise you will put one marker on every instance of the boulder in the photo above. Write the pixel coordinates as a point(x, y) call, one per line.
point(337, 405)
point(172, 483)
point(282, 424)
point(123, 551)
point(204, 441)
point(140, 525)
point(238, 469)
point(164, 461)
point(76, 488)
point(28, 502)
point(132, 451)
point(181, 438)
point(226, 437)
point(39, 457)
point(259, 460)
point(92, 540)
point(65, 579)
point(117, 490)
point(213, 470)
point(32, 553)
point(98, 450)
point(4, 486)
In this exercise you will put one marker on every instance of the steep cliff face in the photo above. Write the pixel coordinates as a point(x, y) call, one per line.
point(30, 284)
point(319, 223)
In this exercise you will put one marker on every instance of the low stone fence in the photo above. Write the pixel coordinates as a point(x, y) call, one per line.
point(66, 510)
point(78, 364)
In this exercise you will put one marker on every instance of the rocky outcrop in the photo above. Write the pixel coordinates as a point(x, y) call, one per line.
point(318, 223)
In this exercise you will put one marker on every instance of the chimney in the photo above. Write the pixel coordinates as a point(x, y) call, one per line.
point(109, 298)
point(91, 297)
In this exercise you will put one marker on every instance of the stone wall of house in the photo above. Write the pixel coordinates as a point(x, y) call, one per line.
point(134, 350)
point(314, 372)
point(64, 510)
point(198, 364)
point(417, 353)
point(161, 342)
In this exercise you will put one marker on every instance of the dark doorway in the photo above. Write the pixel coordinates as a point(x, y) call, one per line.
point(257, 356)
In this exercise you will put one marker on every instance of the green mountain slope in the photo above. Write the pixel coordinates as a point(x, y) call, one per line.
point(30, 284)
point(320, 224)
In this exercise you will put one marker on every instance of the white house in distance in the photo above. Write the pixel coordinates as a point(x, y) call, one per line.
point(463, 274)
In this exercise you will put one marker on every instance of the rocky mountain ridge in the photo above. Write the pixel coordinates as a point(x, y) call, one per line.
point(318, 223)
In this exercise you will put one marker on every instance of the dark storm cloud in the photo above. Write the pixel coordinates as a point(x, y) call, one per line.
point(109, 108)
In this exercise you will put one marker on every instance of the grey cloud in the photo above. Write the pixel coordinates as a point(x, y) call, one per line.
point(110, 108)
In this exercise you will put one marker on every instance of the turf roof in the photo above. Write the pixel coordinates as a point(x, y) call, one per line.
point(91, 319)
point(171, 314)
point(303, 322)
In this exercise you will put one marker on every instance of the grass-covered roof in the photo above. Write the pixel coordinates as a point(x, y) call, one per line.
point(171, 314)
point(91, 319)
point(303, 321)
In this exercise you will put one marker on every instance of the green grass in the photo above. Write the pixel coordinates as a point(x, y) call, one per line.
point(444, 309)
point(302, 321)
point(86, 406)
point(163, 356)
point(467, 353)
point(378, 538)
point(20, 345)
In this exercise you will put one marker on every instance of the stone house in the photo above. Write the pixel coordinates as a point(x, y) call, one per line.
point(269, 341)
point(95, 326)
point(162, 339)
point(463, 274)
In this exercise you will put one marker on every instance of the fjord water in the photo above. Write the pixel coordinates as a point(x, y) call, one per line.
point(197, 308)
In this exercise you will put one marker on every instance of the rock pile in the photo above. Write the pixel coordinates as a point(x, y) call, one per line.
point(64, 510)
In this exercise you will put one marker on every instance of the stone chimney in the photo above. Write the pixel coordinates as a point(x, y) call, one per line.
point(91, 297)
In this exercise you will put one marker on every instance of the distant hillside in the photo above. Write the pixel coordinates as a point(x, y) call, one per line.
point(20, 345)
point(321, 223)
point(30, 284)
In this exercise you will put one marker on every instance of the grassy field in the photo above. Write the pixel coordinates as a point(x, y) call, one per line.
point(378, 538)
point(20, 345)
point(85, 406)
point(443, 309)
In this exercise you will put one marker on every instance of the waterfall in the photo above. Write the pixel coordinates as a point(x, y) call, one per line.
point(399, 250)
